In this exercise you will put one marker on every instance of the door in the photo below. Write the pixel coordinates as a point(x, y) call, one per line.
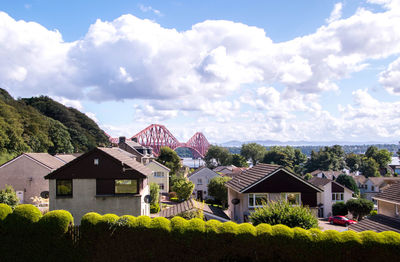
point(200, 195)
point(20, 195)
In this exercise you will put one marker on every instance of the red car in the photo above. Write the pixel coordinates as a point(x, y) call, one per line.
point(341, 220)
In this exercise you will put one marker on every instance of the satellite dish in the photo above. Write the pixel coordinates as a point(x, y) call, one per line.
point(147, 199)
point(235, 201)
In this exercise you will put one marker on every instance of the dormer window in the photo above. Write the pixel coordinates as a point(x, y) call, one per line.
point(96, 161)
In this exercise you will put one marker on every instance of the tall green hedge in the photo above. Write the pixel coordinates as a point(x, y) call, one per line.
point(127, 238)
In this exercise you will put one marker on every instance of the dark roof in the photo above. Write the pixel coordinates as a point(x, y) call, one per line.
point(252, 176)
point(189, 205)
point(391, 193)
point(319, 182)
point(377, 223)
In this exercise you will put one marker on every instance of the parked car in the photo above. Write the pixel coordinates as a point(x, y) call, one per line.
point(341, 220)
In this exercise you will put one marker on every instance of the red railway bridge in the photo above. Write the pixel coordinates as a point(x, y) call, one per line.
point(157, 136)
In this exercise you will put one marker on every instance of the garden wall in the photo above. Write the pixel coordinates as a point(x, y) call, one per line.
point(27, 236)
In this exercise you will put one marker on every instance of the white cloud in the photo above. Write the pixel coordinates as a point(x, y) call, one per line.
point(146, 9)
point(336, 13)
point(68, 102)
point(390, 78)
point(92, 116)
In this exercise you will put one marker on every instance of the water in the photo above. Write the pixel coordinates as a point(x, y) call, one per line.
point(193, 163)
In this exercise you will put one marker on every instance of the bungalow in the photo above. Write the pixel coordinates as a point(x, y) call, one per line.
point(388, 217)
point(265, 182)
point(200, 178)
point(104, 180)
point(333, 192)
point(224, 169)
point(26, 172)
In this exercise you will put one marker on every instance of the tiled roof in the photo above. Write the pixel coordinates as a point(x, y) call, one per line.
point(159, 164)
point(220, 168)
point(391, 193)
point(377, 223)
point(203, 170)
point(133, 144)
point(189, 205)
point(329, 174)
point(126, 158)
point(65, 157)
point(46, 159)
point(319, 182)
point(360, 179)
point(251, 176)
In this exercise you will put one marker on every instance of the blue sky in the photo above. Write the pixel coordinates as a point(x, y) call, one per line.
point(234, 70)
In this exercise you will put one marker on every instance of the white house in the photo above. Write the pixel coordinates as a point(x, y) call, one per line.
point(200, 178)
point(333, 192)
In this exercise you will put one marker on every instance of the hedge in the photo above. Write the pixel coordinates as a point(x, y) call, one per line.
point(127, 238)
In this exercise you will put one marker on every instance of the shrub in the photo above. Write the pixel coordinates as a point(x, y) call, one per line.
point(90, 219)
point(178, 225)
point(228, 228)
point(9, 197)
point(154, 193)
point(183, 188)
point(246, 230)
point(264, 230)
point(359, 207)
point(5, 210)
point(127, 221)
point(212, 227)
point(196, 225)
point(172, 195)
point(339, 209)
point(56, 222)
point(23, 217)
point(373, 213)
point(197, 213)
point(218, 190)
point(154, 208)
point(160, 224)
point(283, 213)
point(143, 222)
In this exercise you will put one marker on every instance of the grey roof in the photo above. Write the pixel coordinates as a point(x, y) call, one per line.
point(204, 171)
point(46, 159)
point(126, 158)
point(189, 205)
point(65, 157)
point(220, 168)
point(319, 182)
point(391, 193)
point(328, 174)
point(377, 223)
point(159, 164)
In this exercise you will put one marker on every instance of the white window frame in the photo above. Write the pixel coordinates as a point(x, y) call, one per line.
point(199, 181)
point(253, 205)
point(297, 193)
point(341, 197)
point(158, 174)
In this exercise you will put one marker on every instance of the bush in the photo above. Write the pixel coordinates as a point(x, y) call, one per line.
point(22, 218)
point(339, 209)
point(218, 190)
point(154, 208)
point(283, 213)
point(172, 195)
point(56, 222)
point(9, 197)
point(373, 213)
point(160, 224)
point(154, 193)
point(178, 225)
point(5, 210)
point(192, 214)
point(183, 188)
point(359, 207)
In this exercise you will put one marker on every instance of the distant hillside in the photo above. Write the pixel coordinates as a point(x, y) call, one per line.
point(43, 125)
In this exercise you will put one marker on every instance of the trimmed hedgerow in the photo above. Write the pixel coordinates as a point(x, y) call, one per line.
point(56, 222)
point(22, 219)
point(5, 210)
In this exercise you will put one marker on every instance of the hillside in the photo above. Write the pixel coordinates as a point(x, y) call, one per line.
point(44, 125)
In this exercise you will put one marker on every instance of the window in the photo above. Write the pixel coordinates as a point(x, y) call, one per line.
point(372, 188)
point(158, 174)
point(337, 197)
point(199, 181)
point(291, 198)
point(257, 200)
point(161, 185)
point(96, 161)
point(126, 186)
point(64, 187)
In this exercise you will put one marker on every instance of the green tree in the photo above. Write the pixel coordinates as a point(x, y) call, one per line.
point(183, 188)
point(217, 156)
point(339, 209)
point(239, 161)
point(253, 151)
point(348, 182)
point(369, 167)
point(281, 212)
point(154, 193)
point(218, 190)
point(372, 151)
point(9, 197)
point(308, 176)
point(327, 158)
point(353, 162)
point(60, 138)
point(170, 159)
point(383, 158)
point(359, 207)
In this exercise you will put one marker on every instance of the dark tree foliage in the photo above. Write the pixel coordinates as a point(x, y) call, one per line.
point(253, 152)
point(359, 207)
point(348, 182)
point(369, 167)
point(218, 190)
point(217, 156)
point(289, 157)
point(170, 159)
point(353, 162)
point(339, 209)
point(328, 158)
point(239, 161)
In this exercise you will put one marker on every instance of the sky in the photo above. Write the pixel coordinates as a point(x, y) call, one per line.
point(235, 70)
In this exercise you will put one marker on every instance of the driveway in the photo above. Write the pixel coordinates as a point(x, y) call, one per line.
point(325, 225)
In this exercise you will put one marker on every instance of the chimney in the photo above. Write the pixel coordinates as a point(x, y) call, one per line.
point(121, 140)
point(134, 139)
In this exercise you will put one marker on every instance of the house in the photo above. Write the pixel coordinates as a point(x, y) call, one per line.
point(26, 172)
point(374, 185)
point(333, 192)
point(209, 212)
point(223, 170)
point(265, 182)
point(395, 165)
point(236, 171)
point(388, 218)
point(159, 175)
point(332, 175)
point(200, 178)
point(103, 180)
point(142, 154)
